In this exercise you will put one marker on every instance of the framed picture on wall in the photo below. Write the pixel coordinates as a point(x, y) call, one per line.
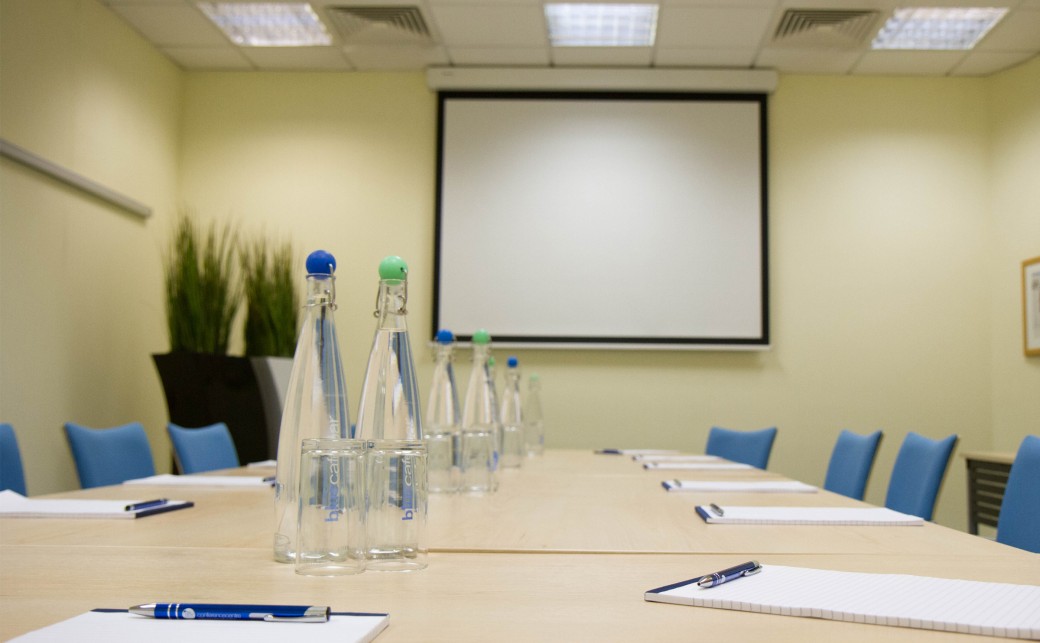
point(1031, 305)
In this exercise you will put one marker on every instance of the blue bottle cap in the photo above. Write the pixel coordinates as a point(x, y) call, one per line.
point(512, 362)
point(445, 336)
point(321, 262)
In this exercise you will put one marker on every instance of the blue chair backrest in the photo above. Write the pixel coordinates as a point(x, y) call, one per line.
point(1019, 521)
point(110, 456)
point(203, 449)
point(12, 476)
point(851, 462)
point(749, 447)
point(918, 473)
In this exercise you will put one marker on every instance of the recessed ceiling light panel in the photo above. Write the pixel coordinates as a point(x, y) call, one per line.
point(936, 28)
point(265, 24)
point(601, 25)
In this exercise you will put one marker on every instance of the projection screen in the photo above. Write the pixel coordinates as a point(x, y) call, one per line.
point(602, 220)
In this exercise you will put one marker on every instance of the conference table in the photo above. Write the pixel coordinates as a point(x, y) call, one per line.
point(564, 550)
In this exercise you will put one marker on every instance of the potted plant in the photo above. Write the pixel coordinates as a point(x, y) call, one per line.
point(272, 308)
point(202, 383)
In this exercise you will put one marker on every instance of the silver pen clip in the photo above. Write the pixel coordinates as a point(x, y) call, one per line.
point(315, 614)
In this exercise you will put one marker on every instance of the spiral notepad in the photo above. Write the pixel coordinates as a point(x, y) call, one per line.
point(745, 515)
point(968, 607)
point(740, 486)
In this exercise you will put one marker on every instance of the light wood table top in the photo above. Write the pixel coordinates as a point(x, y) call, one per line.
point(567, 501)
point(461, 597)
point(505, 566)
point(999, 457)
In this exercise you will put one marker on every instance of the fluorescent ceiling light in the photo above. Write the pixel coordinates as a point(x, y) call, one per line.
point(601, 25)
point(264, 24)
point(931, 28)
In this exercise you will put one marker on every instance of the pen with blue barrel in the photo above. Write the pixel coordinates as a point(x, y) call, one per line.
point(227, 612)
point(146, 504)
point(726, 575)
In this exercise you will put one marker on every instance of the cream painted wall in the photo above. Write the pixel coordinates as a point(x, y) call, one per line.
point(80, 280)
point(342, 162)
point(1015, 198)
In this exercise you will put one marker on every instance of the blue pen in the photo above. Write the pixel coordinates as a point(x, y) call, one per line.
point(726, 575)
point(225, 612)
point(147, 504)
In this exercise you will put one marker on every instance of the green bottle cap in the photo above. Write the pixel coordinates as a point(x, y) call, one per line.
point(491, 361)
point(393, 267)
point(481, 337)
point(535, 377)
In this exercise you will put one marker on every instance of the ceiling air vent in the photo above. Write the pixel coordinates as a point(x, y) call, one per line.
point(825, 27)
point(382, 25)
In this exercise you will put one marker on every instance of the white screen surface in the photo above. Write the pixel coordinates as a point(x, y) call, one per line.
point(583, 219)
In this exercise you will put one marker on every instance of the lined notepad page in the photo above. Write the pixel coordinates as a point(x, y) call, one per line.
point(202, 481)
point(696, 466)
point(969, 607)
point(682, 457)
point(740, 486)
point(15, 505)
point(748, 515)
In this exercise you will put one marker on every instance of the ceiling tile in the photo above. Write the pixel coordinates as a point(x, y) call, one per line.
point(702, 27)
point(807, 61)
point(303, 58)
point(372, 57)
point(482, 25)
point(511, 33)
point(1019, 30)
point(172, 25)
point(227, 57)
point(931, 63)
point(499, 56)
point(602, 56)
point(983, 63)
point(715, 57)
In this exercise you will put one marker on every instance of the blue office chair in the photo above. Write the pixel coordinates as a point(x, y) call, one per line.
point(749, 447)
point(110, 456)
point(1019, 521)
point(918, 473)
point(203, 449)
point(12, 476)
point(851, 462)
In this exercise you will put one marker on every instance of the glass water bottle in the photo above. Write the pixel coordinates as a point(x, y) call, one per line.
point(534, 423)
point(479, 443)
point(389, 423)
point(443, 418)
point(316, 400)
point(514, 449)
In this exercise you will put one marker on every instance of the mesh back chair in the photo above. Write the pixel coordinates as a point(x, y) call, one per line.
point(918, 473)
point(12, 476)
point(749, 447)
point(1019, 521)
point(203, 449)
point(110, 456)
point(851, 462)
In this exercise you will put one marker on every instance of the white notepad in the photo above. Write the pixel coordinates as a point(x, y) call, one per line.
point(15, 505)
point(636, 451)
point(740, 486)
point(682, 457)
point(168, 479)
point(747, 515)
point(965, 606)
point(696, 466)
point(117, 626)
